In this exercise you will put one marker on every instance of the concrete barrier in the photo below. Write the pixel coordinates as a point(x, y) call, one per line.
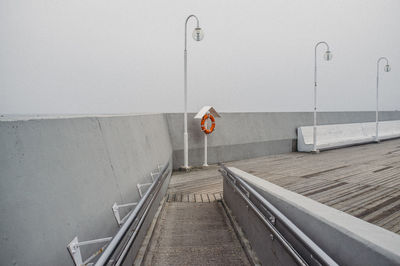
point(341, 135)
point(345, 238)
point(239, 136)
point(59, 178)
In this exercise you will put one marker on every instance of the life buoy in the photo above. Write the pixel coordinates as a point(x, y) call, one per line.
point(203, 120)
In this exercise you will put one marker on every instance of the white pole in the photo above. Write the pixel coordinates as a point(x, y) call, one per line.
point(205, 150)
point(185, 133)
point(205, 146)
point(315, 119)
point(377, 107)
point(387, 69)
point(315, 96)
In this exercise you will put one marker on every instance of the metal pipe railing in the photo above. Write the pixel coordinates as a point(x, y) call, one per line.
point(145, 202)
point(317, 253)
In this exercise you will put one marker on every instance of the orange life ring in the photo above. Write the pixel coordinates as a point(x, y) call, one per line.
point(203, 120)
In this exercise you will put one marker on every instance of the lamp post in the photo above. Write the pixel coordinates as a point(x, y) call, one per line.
point(198, 36)
point(327, 57)
point(386, 69)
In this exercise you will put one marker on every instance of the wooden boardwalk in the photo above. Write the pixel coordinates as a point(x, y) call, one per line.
point(363, 181)
point(199, 185)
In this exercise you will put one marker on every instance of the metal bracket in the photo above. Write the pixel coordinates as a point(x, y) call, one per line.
point(140, 186)
point(317, 261)
point(115, 209)
point(75, 251)
point(271, 217)
point(244, 190)
point(155, 172)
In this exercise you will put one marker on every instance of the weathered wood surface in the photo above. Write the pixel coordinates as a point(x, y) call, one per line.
point(199, 185)
point(363, 181)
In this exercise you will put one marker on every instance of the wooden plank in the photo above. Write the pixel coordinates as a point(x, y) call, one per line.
point(211, 197)
point(389, 220)
point(192, 198)
point(178, 197)
point(198, 198)
point(395, 228)
point(204, 198)
point(217, 196)
point(185, 198)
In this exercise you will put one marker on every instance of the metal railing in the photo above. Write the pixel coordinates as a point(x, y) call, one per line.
point(116, 251)
point(303, 250)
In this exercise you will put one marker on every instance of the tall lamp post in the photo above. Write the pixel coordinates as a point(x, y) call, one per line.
point(327, 57)
point(198, 36)
point(386, 69)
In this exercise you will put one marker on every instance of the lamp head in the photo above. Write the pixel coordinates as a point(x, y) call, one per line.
point(198, 34)
point(328, 55)
point(387, 68)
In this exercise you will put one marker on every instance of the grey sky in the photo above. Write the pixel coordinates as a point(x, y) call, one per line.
point(98, 56)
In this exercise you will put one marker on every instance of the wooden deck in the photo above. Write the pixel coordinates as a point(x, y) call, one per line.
point(363, 181)
point(199, 185)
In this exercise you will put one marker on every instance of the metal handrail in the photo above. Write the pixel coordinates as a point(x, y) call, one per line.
point(144, 203)
point(246, 192)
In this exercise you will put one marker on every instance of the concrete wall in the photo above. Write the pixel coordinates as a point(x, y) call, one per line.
point(60, 177)
point(247, 135)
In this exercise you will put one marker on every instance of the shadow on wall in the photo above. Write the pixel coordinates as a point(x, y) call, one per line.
point(60, 177)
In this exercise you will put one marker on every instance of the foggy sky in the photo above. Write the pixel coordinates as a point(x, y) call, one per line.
point(99, 56)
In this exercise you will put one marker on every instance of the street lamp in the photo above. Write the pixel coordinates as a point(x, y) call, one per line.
point(327, 57)
point(197, 36)
point(386, 69)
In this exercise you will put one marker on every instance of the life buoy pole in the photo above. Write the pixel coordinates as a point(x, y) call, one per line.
point(205, 164)
point(206, 130)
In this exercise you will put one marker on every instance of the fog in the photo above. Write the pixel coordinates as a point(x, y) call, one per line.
point(98, 56)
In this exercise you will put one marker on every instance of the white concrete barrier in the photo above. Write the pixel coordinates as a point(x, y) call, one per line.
point(346, 239)
point(341, 135)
